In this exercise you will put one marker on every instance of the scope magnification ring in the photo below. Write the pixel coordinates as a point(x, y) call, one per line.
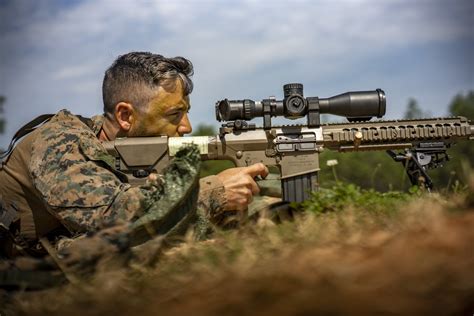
point(248, 109)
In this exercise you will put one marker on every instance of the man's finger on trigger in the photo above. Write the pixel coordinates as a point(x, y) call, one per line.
point(258, 169)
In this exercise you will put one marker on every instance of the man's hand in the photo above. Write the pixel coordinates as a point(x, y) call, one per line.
point(240, 186)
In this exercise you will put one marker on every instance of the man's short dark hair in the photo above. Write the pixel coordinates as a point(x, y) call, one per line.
point(136, 76)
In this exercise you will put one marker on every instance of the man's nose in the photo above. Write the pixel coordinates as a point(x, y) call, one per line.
point(184, 125)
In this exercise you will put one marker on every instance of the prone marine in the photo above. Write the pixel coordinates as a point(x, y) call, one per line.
point(61, 195)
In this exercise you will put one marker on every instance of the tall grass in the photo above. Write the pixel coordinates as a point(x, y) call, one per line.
point(350, 252)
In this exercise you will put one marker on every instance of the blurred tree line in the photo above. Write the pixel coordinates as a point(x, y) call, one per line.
point(376, 169)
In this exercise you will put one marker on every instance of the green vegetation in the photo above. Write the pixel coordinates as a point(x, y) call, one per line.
point(342, 196)
point(463, 105)
point(414, 111)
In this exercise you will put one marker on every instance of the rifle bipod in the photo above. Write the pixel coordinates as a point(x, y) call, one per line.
point(419, 159)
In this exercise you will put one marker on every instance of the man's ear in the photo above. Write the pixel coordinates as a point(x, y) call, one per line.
point(124, 115)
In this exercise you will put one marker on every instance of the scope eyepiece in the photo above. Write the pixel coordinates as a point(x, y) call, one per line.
point(231, 110)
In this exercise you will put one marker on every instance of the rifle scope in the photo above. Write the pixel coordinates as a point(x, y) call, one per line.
point(355, 106)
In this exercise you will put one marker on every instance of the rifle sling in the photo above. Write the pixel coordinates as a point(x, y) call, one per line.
point(24, 130)
point(28, 128)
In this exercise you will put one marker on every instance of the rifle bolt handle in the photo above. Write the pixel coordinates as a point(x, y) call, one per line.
point(357, 139)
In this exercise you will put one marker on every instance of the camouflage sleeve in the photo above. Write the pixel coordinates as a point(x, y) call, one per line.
point(72, 171)
point(210, 203)
point(211, 195)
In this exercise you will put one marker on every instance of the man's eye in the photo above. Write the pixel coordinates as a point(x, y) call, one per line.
point(174, 116)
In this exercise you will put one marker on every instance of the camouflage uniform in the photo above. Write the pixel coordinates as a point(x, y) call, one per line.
point(62, 183)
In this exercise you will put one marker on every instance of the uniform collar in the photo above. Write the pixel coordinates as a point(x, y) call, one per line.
point(97, 122)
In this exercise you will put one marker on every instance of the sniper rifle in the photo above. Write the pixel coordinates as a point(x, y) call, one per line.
point(419, 144)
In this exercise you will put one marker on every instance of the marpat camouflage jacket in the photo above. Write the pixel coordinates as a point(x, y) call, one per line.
point(73, 179)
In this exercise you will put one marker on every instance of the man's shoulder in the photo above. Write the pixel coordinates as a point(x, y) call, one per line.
point(65, 124)
point(64, 114)
point(66, 118)
point(69, 166)
point(65, 136)
point(94, 123)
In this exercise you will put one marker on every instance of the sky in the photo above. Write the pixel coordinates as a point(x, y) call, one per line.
point(53, 53)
